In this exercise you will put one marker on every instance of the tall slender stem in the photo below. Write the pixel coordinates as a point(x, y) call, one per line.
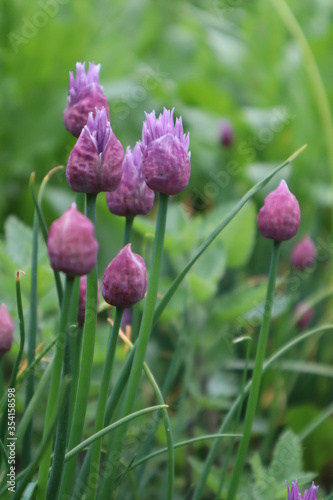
point(30, 384)
point(88, 344)
point(54, 389)
point(128, 230)
point(101, 405)
point(257, 374)
point(143, 338)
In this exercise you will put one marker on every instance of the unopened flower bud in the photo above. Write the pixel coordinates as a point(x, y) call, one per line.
point(6, 330)
point(280, 217)
point(303, 313)
point(132, 196)
point(95, 163)
point(166, 162)
point(304, 254)
point(125, 279)
point(83, 298)
point(85, 95)
point(71, 243)
point(226, 133)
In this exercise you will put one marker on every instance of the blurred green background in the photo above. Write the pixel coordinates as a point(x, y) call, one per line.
point(211, 60)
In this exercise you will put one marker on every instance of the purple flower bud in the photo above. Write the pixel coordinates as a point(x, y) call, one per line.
point(304, 254)
point(95, 163)
point(304, 313)
point(166, 162)
point(82, 299)
point(280, 217)
point(71, 243)
point(6, 330)
point(125, 279)
point(226, 133)
point(85, 95)
point(132, 196)
point(295, 494)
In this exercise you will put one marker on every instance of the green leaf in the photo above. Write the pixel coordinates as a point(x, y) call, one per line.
point(287, 458)
point(206, 273)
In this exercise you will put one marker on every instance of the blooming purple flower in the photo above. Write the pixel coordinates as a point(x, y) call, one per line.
point(295, 494)
point(226, 133)
point(304, 254)
point(132, 196)
point(6, 330)
point(125, 279)
point(82, 299)
point(95, 163)
point(280, 217)
point(85, 95)
point(71, 243)
point(166, 162)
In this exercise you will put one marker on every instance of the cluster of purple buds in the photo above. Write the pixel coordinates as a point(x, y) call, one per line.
point(166, 165)
point(125, 279)
point(6, 330)
point(95, 163)
point(132, 196)
point(295, 494)
point(71, 243)
point(85, 95)
point(280, 217)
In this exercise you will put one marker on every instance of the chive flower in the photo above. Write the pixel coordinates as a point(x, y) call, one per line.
point(304, 254)
point(295, 494)
point(82, 299)
point(125, 279)
point(85, 95)
point(95, 163)
point(166, 162)
point(227, 135)
point(6, 330)
point(280, 217)
point(132, 196)
point(304, 314)
point(71, 243)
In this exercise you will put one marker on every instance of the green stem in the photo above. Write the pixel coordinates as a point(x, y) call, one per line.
point(143, 338)
point(128, 230)
point(314, 75)
point(63, 423)
point(2, 386)
point(88, 344)
point(31, 349)
point(239, 399)
point(101, 405)
point(257, 374)
point(54, 389)
point(112, 402)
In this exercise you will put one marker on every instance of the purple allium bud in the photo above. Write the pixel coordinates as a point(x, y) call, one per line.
point(95, 163)
point(132, 196)
point(6, 330)
point(304, 313)
point(166, 162)
point(125, 279)
point(71, 243)
point(295, 494)
point(226, 133)
point(85, 95)
point(280, 217)
point(82, 299)
point(304, 254)
point(126, 318)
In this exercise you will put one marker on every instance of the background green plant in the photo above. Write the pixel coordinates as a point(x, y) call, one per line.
point(211, 60)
